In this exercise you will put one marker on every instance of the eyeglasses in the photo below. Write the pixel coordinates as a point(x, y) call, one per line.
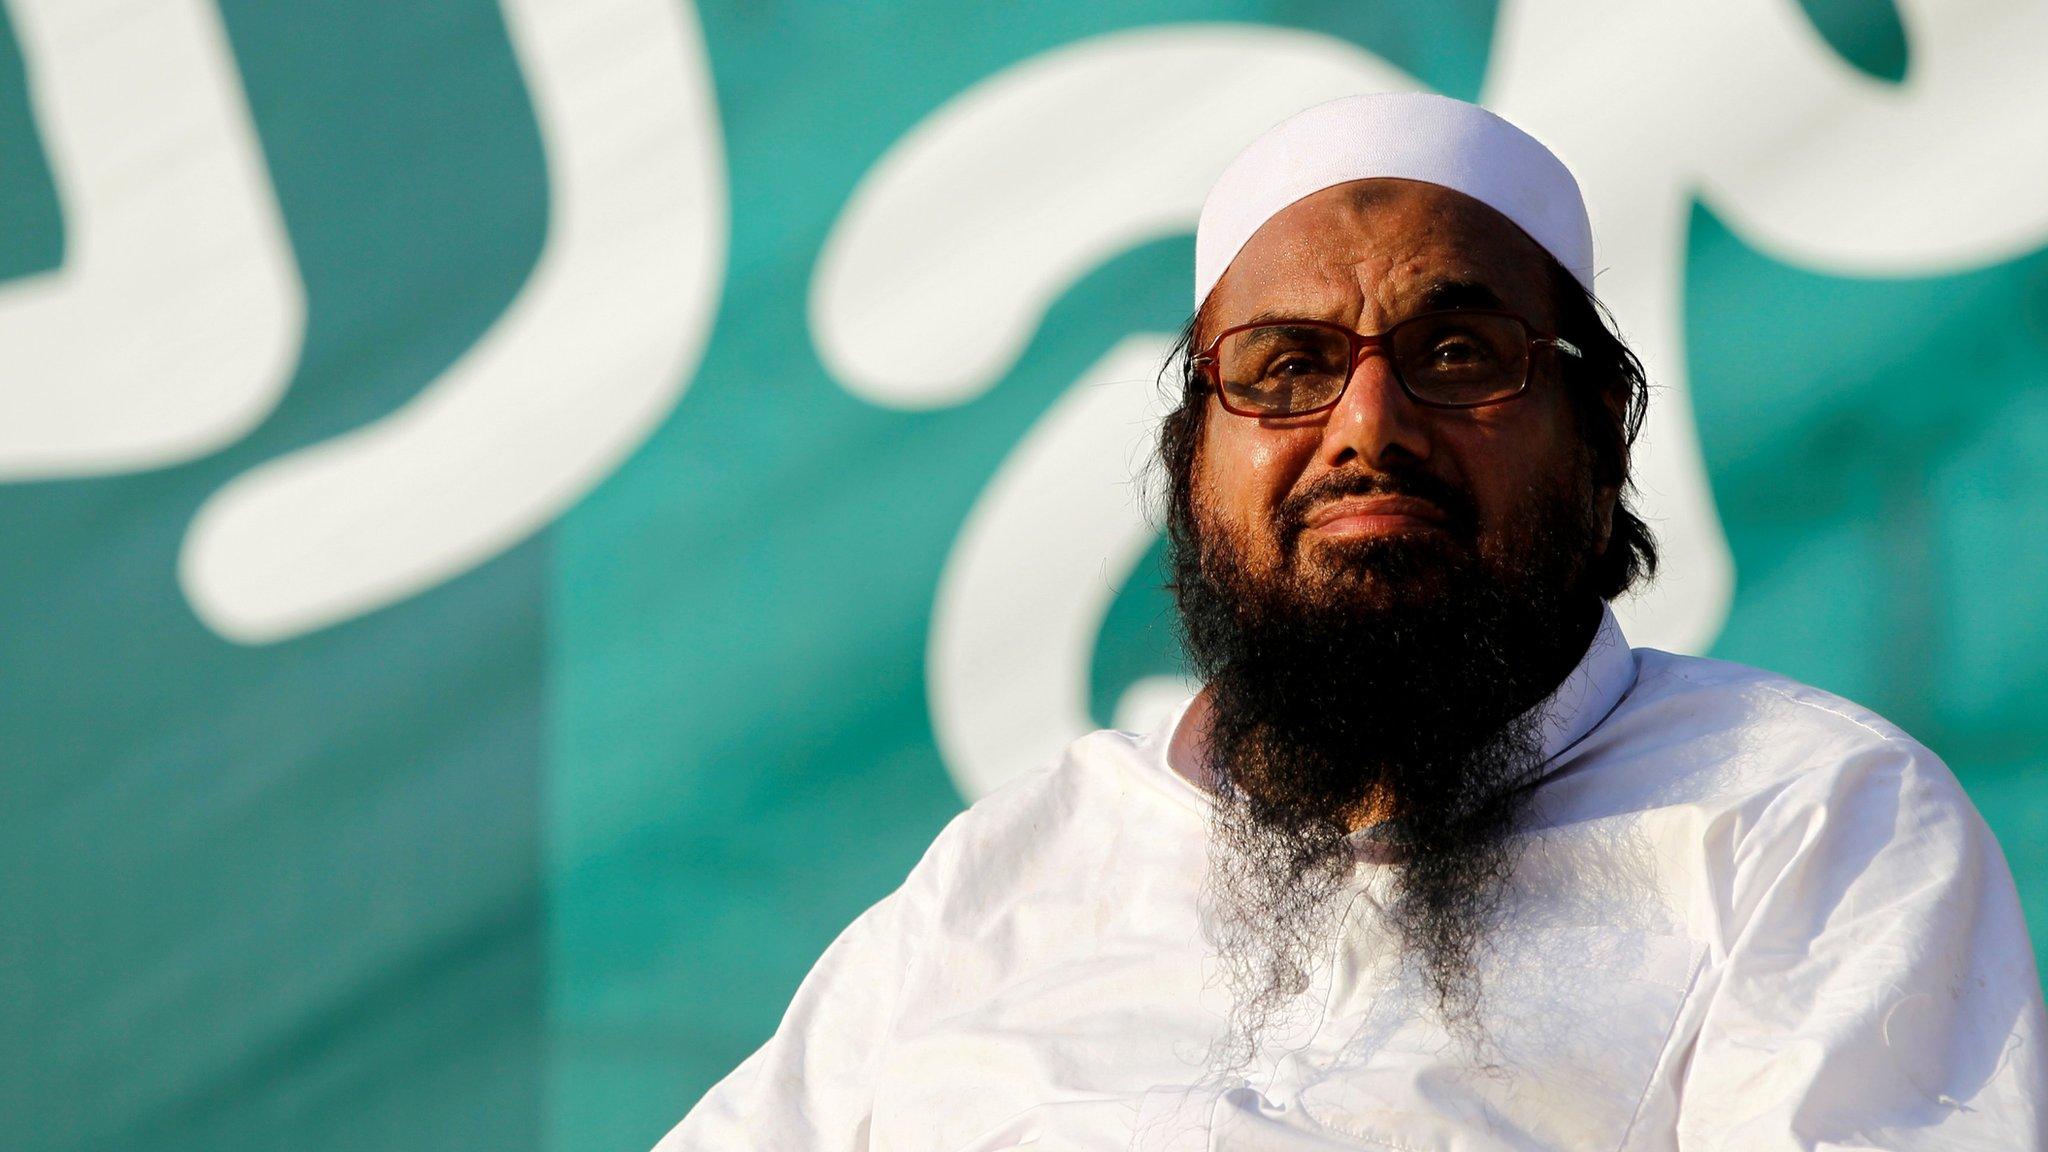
point(1459, 359)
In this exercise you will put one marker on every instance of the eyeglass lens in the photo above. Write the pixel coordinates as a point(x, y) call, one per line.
point(1448, 358)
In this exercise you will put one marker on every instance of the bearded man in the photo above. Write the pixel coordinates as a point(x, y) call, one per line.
point(1434, 860)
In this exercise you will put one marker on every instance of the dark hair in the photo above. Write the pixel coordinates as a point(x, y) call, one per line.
point(1609, 395)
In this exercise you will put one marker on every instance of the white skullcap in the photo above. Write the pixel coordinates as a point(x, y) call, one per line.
point(1410, 135)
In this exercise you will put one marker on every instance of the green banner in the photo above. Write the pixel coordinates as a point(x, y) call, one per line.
point(520, 519)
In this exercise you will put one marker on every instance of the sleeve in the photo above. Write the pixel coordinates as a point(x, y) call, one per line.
point(811, 1086)
point(1878, 988)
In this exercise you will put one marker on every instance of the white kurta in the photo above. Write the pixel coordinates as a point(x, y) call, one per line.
point(1752, 916)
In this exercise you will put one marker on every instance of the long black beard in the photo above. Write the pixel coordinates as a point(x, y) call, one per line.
point(1398, 681)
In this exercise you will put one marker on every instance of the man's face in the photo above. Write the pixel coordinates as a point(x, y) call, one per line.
point(1300, 494)
point(1378, 595)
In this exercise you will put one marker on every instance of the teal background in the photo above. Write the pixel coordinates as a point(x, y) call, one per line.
point(528, 861)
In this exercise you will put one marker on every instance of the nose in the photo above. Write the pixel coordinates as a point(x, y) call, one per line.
point(1374, 421)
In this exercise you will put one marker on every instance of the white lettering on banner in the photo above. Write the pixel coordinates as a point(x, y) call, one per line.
point(582, 366)
point(1066, 160)
point(1741, 104)
point(984, 213)
point(1068, 508)
point(1002, 199)
point(174, 322)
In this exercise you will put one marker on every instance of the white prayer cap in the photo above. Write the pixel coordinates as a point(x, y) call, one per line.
point(1411, 135)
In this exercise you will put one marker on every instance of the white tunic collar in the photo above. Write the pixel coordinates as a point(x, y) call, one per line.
point(1589, 694)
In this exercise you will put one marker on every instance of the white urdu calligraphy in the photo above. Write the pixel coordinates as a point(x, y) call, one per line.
point(1074, 156)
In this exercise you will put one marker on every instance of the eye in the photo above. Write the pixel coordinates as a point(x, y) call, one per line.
point(1459, 354)
point(1459, 351)
point(1310, 354)
point(1295, 364)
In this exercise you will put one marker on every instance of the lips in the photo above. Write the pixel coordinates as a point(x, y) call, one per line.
point(1379, 513)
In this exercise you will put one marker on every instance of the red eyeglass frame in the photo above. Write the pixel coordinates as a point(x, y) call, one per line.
point(1362, 342)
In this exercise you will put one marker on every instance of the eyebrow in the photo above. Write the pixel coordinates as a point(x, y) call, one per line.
point(1440, 296)
point(1443, 295)
point(1282, 315)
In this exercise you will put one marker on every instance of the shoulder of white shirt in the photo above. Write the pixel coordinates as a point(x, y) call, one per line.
point(1114, 768)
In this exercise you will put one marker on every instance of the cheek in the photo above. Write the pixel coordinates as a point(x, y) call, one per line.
point(1245, 470)
point(1512, 467)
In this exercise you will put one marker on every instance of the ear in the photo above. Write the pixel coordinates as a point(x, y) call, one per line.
point(1198, 448)
point(1605, 499)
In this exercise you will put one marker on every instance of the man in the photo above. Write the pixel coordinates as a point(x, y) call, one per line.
point(1434, 860)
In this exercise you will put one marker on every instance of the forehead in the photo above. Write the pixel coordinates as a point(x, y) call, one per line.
point(1371, 250)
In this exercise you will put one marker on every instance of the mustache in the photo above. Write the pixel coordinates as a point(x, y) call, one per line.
point(1461, 513)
